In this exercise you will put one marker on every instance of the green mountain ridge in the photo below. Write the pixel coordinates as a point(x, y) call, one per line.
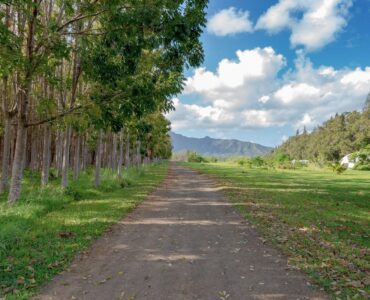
point(217, 147)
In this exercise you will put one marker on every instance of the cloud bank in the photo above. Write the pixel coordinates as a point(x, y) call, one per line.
point(257, 91)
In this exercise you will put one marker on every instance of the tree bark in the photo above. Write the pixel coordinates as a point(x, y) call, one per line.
point(46, 156)
point(65, 164)
point(17, 169)
point(127, 152)
point(120, 158)
point(76, 167)
point(7, 124)
point(23, 99)
point(114, 153)
point(138, 153)
point(98, 158)
point(6, 141)
point(58, 153)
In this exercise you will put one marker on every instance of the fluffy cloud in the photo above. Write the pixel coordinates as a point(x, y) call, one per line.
point(313, 23)
point(230, 21)
point(254, 92)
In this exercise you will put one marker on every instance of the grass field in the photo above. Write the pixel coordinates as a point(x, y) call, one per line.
point(41, 234)
point(319, 219)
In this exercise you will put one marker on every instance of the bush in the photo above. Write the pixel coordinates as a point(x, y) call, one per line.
point(258, 162)
point(73, 193)
point(338, 168)
point(125, 183)
point(362, 167)
point(195, 157)
point(211, 159)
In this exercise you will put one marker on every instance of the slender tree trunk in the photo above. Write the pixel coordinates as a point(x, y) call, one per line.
point(138, 153)
point(85, 153)
point(34, 152)
point(7, 124)
point(120, 158)
point(98, 158)
point(46, 156)
point(6, 155)
point(17, 169)
point(58, 153)
point(65, 165)
point(76, 167)
point(127, 152)
point(114, 153)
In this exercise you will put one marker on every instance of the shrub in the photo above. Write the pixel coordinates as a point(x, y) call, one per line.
point(125, 183)
point(73, 193)
point(338, 168)
point(195, 157)
point(258, 162)
point(212, 159)
point(362, 167)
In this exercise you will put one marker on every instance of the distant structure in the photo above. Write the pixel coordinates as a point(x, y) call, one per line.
point(348, 162)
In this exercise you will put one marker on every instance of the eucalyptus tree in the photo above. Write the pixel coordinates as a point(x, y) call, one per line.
point(39, 35)
point(125, 58)
point(137, 63)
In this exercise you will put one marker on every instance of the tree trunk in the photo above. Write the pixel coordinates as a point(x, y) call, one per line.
point(59, 153)
point(85, 153)
point(114, 153)
point(120, 158)
point(138, 153)
point(98, 158)
point(6, 156)
point(65, 165)
point(23, 99)
point(17, 169)
point(7, 124)
point(46, 156)
point(76, 167)
point(127, 152)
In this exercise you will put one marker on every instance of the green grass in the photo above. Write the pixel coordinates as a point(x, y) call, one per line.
point(321, 220)
point(41, 234)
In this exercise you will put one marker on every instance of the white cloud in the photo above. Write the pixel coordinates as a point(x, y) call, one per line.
point(230, 21)
point(319, 23)
point(251, 65)
point(296, 92)
point(243, 95)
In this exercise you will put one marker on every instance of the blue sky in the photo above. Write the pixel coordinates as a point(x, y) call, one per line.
point(272, 67)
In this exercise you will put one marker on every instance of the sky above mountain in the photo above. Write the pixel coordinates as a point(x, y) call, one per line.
point(272, 67)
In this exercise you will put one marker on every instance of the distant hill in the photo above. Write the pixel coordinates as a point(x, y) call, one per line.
point(216, 147)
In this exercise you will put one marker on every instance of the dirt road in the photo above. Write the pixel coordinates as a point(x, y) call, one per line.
point(184, 242)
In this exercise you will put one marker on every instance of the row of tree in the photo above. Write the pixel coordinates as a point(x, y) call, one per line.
point(87, 82)
point(340, 135)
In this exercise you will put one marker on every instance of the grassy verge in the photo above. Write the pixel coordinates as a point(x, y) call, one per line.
point(319, 219)
point(40, 235)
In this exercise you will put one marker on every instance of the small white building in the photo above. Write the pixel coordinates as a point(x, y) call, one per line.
point(348, 162)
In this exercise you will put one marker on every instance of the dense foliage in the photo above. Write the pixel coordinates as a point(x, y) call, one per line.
point(340, 135)
point(88, 82)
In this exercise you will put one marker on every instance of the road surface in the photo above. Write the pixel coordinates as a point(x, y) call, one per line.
point(185, 242)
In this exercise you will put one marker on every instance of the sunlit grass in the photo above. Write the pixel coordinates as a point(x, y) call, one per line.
point(321, 220)
point(41, 234)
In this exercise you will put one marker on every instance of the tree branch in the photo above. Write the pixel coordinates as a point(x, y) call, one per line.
point(61, 115)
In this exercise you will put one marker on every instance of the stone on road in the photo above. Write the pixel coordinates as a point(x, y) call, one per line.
point(186, 241)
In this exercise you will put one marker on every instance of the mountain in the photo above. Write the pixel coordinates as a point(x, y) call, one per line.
point(216, 147)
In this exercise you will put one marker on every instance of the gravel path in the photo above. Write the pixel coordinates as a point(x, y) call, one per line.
point(184, 242)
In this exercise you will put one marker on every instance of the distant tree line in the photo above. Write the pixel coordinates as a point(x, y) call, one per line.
point(86, 83)
point(340, 135)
